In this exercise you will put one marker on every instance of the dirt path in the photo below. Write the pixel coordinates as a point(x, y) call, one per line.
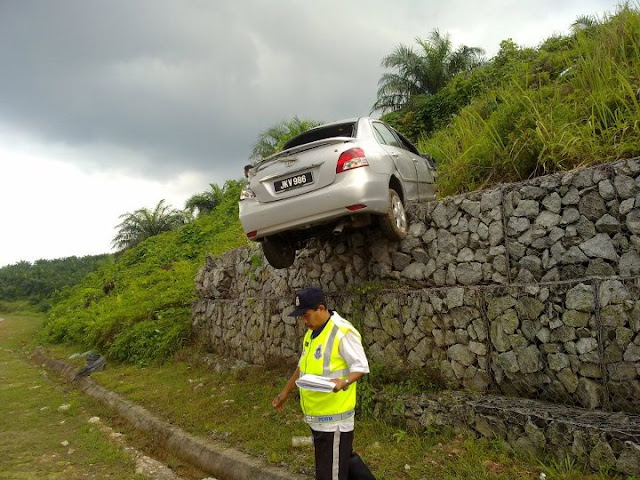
point(45, 430)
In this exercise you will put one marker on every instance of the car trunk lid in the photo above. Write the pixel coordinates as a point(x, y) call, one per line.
point(298, 170)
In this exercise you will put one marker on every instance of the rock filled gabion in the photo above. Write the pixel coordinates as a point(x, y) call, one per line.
point(529, 290)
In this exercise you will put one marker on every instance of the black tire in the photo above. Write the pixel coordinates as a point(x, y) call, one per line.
point(394, 223)
point(278, 252)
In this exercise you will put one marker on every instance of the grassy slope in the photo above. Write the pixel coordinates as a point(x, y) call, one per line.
point(572, 102)
point(137, 307)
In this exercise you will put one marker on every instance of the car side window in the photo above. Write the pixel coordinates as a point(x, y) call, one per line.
point(406, 144)
point(384, 135)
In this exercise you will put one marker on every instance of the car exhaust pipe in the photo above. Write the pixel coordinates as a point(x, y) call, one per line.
point(337, 230)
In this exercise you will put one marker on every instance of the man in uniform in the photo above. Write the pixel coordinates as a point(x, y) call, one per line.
point(332, 348)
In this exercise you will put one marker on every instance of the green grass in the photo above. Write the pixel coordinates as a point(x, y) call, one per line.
point(32, 428)
point(234, 408)
point(572, 102)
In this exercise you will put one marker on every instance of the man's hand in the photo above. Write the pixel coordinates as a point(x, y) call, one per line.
point(278, 402)
point(340, 384)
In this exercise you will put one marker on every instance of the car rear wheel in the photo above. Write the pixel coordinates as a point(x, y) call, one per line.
point(394, 223)
point(278, 252)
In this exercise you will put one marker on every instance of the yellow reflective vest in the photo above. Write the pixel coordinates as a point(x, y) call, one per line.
point(320, 356)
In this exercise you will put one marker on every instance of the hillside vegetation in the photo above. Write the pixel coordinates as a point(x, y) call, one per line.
point(136, 307)
point(571, 102)
point(36, 282)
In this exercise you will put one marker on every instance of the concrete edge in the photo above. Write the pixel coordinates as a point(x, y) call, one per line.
point(222, 462)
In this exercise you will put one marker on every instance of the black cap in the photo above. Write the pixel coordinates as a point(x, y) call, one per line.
point(307, 299)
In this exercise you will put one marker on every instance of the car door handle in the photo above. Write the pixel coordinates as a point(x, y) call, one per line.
point(395, 155)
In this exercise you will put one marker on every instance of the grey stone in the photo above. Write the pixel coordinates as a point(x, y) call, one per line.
point(592, 206)
point(572, 197)
point(625, 186)
point(518, 224)
point(496, 233)
point(633, 221)
point(527, 208)
point(469, 273)
point(465, 255)
point(585, 345)
point(568, 379)
point(548, 220)
point(626, 206)
point(471, 207)
point(600, 246)
point(553, 202)
point(490, 200)
point(612, 292)
point(629, 460)
point(585, 227)
point(570, 215)
point(629, 263)
point(607, 224)
point(572, 256)
point(439, 216)
point(606, 190)
point(601, 456)
point(590, 393)
point(529, 308)
point(478, 348)
point(558, 361)
point(415, 271)
point(461, 354)
point(581, 298)
point(574, 318)
point(632, 353)
point(454, 298)
point(532, 263)
point(508, 361)
point(529, 360)
point(400, 260)
point(599, 268)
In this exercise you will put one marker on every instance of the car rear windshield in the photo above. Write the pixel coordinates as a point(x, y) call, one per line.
point(320, 133)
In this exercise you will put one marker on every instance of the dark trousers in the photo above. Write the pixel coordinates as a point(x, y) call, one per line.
point(335, 458)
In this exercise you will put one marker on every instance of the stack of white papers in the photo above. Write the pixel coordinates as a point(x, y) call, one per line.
point(315, 383)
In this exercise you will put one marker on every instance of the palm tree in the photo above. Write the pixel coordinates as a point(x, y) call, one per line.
point(422, 72)
point(206, 201)
point(144, 223)
point(273, 138)
point(584, 22)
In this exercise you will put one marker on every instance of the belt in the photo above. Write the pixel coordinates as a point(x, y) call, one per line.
point(329, 418)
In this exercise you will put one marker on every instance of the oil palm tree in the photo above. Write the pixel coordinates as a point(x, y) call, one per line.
point(206, 201)
point(144, 223)
point(273, 138)
point(422, 72)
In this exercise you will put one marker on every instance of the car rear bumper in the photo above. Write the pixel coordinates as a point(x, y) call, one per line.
point(321, 206)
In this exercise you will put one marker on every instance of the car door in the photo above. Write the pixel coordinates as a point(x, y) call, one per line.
point(425, 168)
point(401, 158)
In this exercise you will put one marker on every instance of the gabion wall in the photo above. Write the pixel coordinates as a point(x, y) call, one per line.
point(529, 291)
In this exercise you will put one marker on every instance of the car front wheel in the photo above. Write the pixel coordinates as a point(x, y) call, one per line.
point(394, 223)
point(278, 252)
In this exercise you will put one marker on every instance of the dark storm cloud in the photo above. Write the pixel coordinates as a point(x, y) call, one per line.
point(188, 85)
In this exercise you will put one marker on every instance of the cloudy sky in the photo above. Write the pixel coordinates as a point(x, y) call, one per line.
point(110, 106)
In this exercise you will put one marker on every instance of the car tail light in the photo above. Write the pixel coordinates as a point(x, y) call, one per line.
point(252, 234)
point(355, 207)
point(350, 159)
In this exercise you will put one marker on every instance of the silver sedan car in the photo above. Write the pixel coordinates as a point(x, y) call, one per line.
point(343, 174)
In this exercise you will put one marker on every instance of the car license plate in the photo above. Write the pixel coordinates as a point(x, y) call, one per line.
point(293, 182)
